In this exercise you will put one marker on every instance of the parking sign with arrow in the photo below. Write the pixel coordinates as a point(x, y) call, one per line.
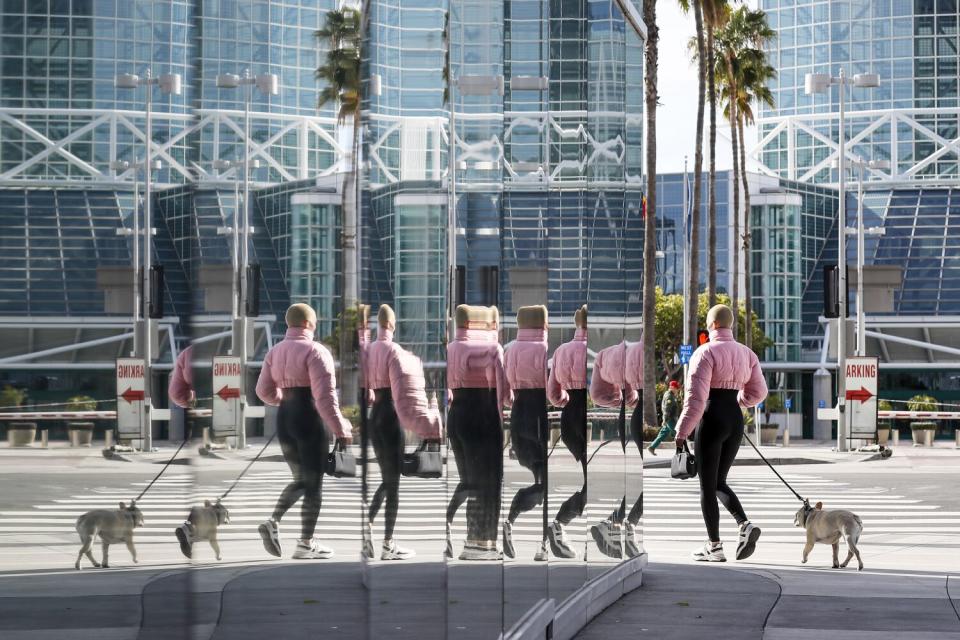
point(130, 396)
point(861, 376)
point(226, 395)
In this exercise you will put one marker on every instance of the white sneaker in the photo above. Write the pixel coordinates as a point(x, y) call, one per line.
point(749, 534)
point(607, 536)
point(474, 551)
point(270, 533)
point(710, 553)
point(542, 555)
point(393, 551)
point(311, 551)
point(185, 537)
point(508, 549)
point(557, 538)
point(367, 550)
point(630, 540)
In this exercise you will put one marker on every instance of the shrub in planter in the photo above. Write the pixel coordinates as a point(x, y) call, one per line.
point(923, 431)
point(883, 426)
point(768, 430)
point(80, 432)
point(19, 434)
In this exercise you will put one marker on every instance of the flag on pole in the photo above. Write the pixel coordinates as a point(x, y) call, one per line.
point(688, 202)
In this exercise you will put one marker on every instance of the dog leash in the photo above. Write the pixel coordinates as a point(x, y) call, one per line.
point(169, 462)
point(787, 484)
point(247, 468)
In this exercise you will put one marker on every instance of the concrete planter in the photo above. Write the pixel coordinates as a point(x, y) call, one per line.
point(80, 433)
point(883, 434)
point(22, 434)
point(923, 433)
point(768, 433)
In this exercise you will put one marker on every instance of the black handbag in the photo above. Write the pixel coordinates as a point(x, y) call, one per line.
point(424, 462)
point(684, 464)
point(341, 462)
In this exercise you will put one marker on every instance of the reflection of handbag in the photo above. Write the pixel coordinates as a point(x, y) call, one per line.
point(341, 463)
point(424, 462)
point(684, 464)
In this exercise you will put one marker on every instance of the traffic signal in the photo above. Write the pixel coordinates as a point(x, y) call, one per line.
point(155, 310)
point(831, 291)
point(703, 337)
point(252, 309)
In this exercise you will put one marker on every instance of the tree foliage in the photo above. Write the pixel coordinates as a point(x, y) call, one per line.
point(669, 330)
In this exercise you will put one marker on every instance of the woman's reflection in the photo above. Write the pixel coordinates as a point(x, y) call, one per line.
point(526, 371)
point(567, 389)
point(395, 387)
point(478, 389)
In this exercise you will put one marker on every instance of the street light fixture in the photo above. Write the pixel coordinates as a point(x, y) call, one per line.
point(169, 84)
point(269, 85)
point(859, 231)
point(821, 83)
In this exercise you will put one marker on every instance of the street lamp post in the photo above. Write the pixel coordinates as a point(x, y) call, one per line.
point(821, 83)
point(169, 84)
point(269, 85)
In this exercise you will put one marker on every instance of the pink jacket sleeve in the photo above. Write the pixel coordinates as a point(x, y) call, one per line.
point(755, 390)
point(267, 389)
point(364, 342)
point(696, 393)
point(409, 397)
point(556, 394)
point(602, 392)
point(179, 390)
point(504, 393)
point(323, 383)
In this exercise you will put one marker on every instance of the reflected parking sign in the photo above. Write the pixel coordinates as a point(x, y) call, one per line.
point(788, 403)
point(129, 397)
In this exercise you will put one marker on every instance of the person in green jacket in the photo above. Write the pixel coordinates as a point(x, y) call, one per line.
point(670, 407)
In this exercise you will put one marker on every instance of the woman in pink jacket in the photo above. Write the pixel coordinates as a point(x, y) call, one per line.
point(395, 377)
point(525, 366)
point(180, 389)
point(298, 376)
point(478, 387)
point(567, 389)
point(724, 378)
point(609, 388)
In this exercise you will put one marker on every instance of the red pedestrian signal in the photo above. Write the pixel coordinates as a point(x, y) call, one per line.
point(703, 337)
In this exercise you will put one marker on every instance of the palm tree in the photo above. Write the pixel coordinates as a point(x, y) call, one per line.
point(340, 73)
point(715, 14)
point(651, 53)
point(744, 72)
point(754, 76)
point(693, 275)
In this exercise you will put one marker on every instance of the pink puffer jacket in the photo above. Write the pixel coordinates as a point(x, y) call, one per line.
point(722, 363)
point(388, 365)
point(569, 369)
point(525, 360)
point(475, 361)
point(180, 390)
point(298, 361)
point(607, 383)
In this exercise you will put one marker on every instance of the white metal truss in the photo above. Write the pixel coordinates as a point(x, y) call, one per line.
point(877, 129)
point(219, 133)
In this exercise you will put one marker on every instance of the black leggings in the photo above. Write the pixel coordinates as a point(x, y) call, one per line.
point(573, 431)
point(476, 438)
point(388, 441)
point(528, 433)
point(304, 443)
point(717, 442)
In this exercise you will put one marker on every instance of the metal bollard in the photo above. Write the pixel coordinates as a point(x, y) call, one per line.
point(44, 438)
point(206, 437)
point(956, 434)
point(928, 437)
point(895, 436)
point(786, 437)
point(107, 439)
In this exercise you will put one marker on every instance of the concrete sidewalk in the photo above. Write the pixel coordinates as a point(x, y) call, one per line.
point(681, 601)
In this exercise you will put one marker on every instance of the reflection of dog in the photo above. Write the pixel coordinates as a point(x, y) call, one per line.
point(113, 527)
point(202, 524)
point(827, 527)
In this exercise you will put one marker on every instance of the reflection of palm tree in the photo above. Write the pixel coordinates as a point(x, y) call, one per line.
point(651, 52)
point(340, 72)
point(715, 13)
point(744, 73)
